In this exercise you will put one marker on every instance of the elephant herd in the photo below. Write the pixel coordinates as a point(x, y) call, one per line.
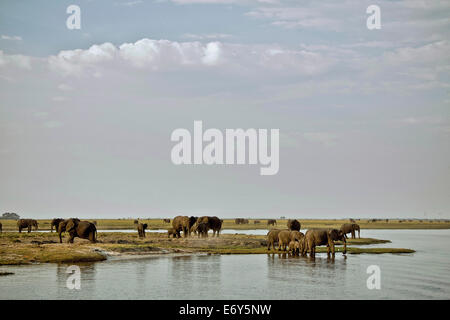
point(297, 243)
point(73, 226)
point(188, 225)
point(290, 239)
point(195, 225)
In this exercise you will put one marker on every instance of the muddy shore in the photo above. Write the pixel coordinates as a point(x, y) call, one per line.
point(27, 248)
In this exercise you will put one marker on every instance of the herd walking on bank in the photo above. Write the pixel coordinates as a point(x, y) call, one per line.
point(290, 239)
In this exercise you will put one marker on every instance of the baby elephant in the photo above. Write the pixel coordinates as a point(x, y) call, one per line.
point(294, 247)
point(174, 233)
point(286, 236)
point(141, 229)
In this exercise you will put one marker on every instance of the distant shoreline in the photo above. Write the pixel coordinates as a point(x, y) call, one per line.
point(155, 224)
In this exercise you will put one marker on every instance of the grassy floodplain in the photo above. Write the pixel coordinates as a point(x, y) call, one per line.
point(122, 224)
point(35, 247)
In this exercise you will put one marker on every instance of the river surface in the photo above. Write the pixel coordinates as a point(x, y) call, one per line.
point(422, 275)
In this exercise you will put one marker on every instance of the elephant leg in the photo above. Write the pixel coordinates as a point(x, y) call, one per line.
point(29, 229)
point(71, 237)
point(359, 234)
point(331, 246)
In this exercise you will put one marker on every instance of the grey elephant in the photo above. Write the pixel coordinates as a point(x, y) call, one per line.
point(202, 230)
point(295, 247)
point(77, 228)
point(174, 233)
point(293, 225)
point(181, 223)
point(213, 223)
point(272, 238)
point(27, 224)
point(351, 228)
point(55, 222)
point(286, 236)
point(141, 229)
point(319, 237)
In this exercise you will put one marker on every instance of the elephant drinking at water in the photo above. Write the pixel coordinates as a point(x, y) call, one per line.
point(319, 237)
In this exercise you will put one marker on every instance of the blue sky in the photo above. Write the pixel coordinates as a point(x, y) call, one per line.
point(86, 115)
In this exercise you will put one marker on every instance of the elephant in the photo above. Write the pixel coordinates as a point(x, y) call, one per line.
point(27, 223)
point(272, 237)
point(293, 225)
point(318, 237)
point(77, 228)
point(294, 247)
point(213, 223)
point(166, 220)
point(202, 230)
point(272, 222)
point(286, 236)
point(240, 221)
point(141, 229)
point(351, 228)
point(256, 222)
point(55, 222)
point(296, 235)
point(181, 223)
point(173, 232)
point(192, 221)
point(62, 227)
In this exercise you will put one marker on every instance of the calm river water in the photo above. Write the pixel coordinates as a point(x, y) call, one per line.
point(422, 275)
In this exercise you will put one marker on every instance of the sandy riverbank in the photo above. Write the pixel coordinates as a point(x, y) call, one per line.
point(28, 248)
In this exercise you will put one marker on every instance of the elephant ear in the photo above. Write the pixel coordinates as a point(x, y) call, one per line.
point(62, 226)
point(70, 225)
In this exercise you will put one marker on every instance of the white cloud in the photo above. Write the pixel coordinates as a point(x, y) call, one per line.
point(129, 3)
point(172, 55)
point(212, 53)
point(14, 38)
point(207, 36)
point(74, 61)
point(16, 60)
point(427, 54)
